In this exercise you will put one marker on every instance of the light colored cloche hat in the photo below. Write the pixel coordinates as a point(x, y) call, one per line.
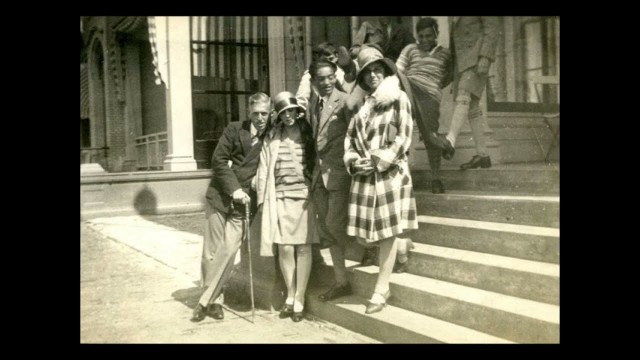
point(368, 55)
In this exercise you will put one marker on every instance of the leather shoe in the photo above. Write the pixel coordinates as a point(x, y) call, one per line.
point(437, 187)
point(441, 142)
point(297, 316)
point(477, 161)
point(215, 311)
point(399, 267)
point(374, 308)
point(377, 307)
point(448, 151)
point(336, 292)
point(198, 313)
point(287, 311)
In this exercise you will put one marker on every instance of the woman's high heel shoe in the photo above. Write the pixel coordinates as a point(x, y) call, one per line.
point(377, 305)
point(287, 311)
point(297, 316)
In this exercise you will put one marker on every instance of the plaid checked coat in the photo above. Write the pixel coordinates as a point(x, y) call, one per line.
point(382, 204)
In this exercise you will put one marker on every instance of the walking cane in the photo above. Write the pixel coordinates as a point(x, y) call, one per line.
point(248, 240)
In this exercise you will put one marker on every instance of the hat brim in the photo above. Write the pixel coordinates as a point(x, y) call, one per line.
point(385, 61)
point(290, 107)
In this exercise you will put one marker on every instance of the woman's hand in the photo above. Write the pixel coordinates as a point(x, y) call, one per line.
point(363, 167)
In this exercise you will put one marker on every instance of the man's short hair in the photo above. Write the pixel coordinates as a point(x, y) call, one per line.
point(324, 49)
point(320, 63)
point(259, 97)
point(427, 22)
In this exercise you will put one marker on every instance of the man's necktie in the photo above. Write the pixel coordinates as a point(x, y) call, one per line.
point(319, 113)
point(320, 106)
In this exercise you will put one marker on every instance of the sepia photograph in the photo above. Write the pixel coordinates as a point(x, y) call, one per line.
point(319, 179)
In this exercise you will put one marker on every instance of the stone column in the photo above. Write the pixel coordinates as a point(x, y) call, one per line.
point(179, 108)
point(275, 30)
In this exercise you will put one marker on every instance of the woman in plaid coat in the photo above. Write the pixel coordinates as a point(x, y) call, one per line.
point(382, 205)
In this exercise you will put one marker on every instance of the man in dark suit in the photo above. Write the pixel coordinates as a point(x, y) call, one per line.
point(234, 162)
point(330, 180)
point(396, 37)
point(391, 36)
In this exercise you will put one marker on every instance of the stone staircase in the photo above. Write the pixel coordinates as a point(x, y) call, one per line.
point(485, 268)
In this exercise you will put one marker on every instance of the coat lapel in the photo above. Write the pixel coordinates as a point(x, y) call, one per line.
point(245, 137)
point(328, 110)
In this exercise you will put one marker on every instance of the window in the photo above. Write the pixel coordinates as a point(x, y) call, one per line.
point(229, 62)
point(528, 46)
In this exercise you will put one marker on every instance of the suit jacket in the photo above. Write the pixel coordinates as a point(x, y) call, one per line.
point(399, 38)
point(329, 132)
point(234, 146)
point(472, 37)
point(391, 45)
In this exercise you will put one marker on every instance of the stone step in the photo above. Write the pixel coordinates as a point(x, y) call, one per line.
point(520, 241)
point(511, 209)
point(393, 324)
point(506, 275)
point(505, 316)
point(536, 178)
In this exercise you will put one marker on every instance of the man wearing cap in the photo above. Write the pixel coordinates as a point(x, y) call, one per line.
point(330, 180)
point(234, 163)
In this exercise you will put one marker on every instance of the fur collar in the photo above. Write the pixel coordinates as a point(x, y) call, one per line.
point(385, 95)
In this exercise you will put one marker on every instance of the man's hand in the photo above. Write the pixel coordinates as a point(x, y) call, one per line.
point(483, 65)
point(239, 196)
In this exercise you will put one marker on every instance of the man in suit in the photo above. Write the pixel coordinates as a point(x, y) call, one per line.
point(396, 37)
point(473, 41)
point(390, 35)
point(330, 181)
point(234, 162)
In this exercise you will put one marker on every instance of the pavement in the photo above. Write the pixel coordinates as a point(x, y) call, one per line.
point(139, 283)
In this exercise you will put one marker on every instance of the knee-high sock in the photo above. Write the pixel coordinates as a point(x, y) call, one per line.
point(303, 270)
point(460, 115)
point(477, 128)
point(288, 267)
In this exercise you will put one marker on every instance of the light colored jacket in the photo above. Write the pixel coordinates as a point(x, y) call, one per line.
point(472, 37)
point(266, 193)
